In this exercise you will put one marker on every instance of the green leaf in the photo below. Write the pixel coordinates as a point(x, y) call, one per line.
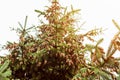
point(65, 10)
point(3, 78)
point(96, 70)
point(99, 41)
point(90, 47)
point(83, 70)
point(4, 71)
point(25, 22)
point(40, 12)
point(115, 23)
point(104, 75)
point(30, 28)
point(20, 25)
point(7, 73)
point(4, 66)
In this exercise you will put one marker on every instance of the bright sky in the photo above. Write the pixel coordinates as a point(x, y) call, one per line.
point(96, 13)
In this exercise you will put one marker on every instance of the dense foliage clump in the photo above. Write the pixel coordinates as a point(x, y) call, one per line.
point(57, 52)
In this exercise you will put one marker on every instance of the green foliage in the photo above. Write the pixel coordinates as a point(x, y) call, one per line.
point(5, 72)
point(58, 53)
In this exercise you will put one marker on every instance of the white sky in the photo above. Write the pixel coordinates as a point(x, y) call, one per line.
point(96, 13)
